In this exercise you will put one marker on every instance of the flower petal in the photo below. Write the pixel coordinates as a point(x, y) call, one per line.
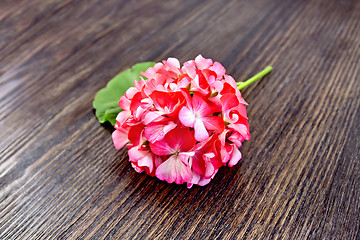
point(149, 73)
point(120, 137)
point(173, 62)
point(229, 101)
point(202, 63)
point(124, 103)
point(218, 68)
point(201, 133)
point(189, 69)
point(122, 117)
point(135, 134)
point(214, 123)
point(209, 170)
point(242, 110)
point(173, 170)
point(131, 92)
point(161, 148)
point(176, 140)
point(168, 102)
point(236, 138)
point(236, 156)
point(201, 106)
point(240, 128)
point(180, 139)
point(142, 158)
point(156, 131)
point(187, 117)
point(151, 116)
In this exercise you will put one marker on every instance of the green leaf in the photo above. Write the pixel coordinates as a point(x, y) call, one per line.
point(106, 100)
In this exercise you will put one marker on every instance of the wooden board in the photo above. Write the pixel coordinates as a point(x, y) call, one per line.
point(61, 177)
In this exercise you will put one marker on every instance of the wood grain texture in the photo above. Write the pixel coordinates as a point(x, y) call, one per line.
point(61, 178)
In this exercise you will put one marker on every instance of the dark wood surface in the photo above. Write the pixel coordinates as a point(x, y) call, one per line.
point(61, 177)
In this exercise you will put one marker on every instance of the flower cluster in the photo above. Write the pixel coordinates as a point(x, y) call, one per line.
point(182, 123)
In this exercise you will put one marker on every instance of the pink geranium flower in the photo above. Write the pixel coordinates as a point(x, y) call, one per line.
point(184, 122)
point(198, 115)
point(176, 146)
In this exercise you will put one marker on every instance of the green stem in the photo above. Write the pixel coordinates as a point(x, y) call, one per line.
point(258, 76)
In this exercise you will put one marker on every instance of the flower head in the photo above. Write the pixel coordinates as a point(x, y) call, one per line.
point(182, 123)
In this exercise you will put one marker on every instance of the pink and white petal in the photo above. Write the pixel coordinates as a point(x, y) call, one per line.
point(149, 87)
point(147, 161)
point(235, 157)
point(248, 136)
point(167, 170)
point(241, 100)
point(209, 155)
point(139, 84)
point(229, 79)
point(137, 169)
point(217, 86)
point(122, 117)
point(184, 157)
point(222, 137)
point(173, 86)
point(189, 68)
point(201, 133)
point(183, 173)
point(131, 92)
point(138, 113)
point(183, 82)
point(225, 155)
point(168, 102)
point(120, 137)
point(194, 180)
point(156, 131)
point(237, 139)
point(202, 63)
point(211, 79)
point(124, 103)
point(149, 73)
point(136, 155)
point(176, 140)
point(231, 116)
point(218, 69)
point(195, 85)
point(204, 181)
point(240, 128)
point(173, 62)
point(158, 66)
point(151, 117)
point(146, 102)
point(187, 117)
point(209, 169)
